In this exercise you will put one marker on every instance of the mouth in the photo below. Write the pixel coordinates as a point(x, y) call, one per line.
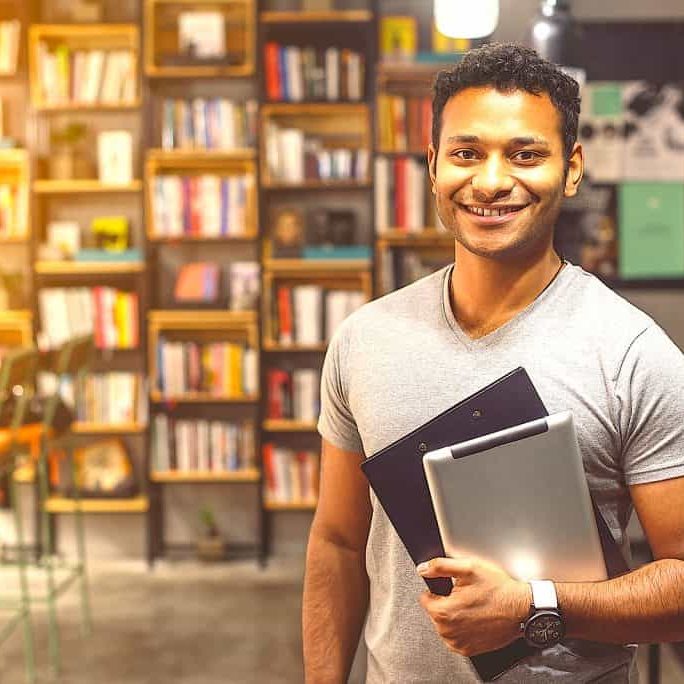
point(493, 214)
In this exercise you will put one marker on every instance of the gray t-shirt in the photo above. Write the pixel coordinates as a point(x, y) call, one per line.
point(402, 359)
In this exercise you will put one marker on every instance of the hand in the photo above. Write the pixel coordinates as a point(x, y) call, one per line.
point(485, 607)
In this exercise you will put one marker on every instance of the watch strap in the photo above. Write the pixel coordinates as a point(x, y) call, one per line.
point(544, 595)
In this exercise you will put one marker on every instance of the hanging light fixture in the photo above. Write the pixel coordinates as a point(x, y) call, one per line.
point(466, 18)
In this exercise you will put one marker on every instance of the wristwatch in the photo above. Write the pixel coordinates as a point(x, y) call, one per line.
point(544, 627)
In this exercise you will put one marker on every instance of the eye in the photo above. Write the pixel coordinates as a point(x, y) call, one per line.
point(465, 155)
point(526, 156)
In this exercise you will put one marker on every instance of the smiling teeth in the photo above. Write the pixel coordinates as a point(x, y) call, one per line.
point(480, 211)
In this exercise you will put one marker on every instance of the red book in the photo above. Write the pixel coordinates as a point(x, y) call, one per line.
point(269, 469)
point(285, 327)
point(275, 399)
point(400, 191)
point(271, 59)
point(195, 207)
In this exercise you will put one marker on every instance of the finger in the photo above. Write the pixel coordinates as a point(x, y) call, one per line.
point(462, 568)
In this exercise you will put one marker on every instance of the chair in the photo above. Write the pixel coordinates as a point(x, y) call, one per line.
point(71, 361)
point(17, 379)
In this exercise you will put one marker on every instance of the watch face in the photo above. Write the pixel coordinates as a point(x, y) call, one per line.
point(545, 628)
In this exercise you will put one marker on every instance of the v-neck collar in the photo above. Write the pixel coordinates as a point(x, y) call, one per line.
point(566, 273)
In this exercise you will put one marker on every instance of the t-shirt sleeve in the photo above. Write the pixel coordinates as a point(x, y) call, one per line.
point(336, 422)
point(650, 394)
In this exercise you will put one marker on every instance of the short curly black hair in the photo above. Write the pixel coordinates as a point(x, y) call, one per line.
point(508, 67)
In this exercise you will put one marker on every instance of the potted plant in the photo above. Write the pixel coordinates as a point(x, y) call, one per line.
point(67, 160)
point(210, 546)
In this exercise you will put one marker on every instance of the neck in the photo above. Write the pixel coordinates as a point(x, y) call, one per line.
point(486, 293)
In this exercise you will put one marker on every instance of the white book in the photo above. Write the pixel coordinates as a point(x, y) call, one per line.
point(382, 199)
point(203, 445)
point(250, 371)
point(354, 81)
point(109, 92)
point(332, 73)
point(210, 194)
point(202, 33)
point(227, 124)
point(307, 301)
point(199, 122)
point(306, 382)
point(79, 72)
point(129, 76)
point(173, 193)
point(335, 311)
point(273, 151)
point(291, 143)
point(93, 75)
point(115, 157)
point(54, 316)
point(295, 76)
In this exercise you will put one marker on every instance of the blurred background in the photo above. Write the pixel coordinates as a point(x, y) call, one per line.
point(193, 195)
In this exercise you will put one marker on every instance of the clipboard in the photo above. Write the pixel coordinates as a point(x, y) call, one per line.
point(397, 477)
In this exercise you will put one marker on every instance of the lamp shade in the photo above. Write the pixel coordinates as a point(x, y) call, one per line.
point(466, 18)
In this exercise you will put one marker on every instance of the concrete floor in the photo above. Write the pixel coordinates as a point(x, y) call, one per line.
point(187, 624)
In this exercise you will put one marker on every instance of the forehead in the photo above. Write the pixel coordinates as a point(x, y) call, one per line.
point(488, 113)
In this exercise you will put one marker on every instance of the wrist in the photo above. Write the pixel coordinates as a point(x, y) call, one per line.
point(520, 602)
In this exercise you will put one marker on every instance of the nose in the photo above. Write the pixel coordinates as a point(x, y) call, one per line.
point(491, 180)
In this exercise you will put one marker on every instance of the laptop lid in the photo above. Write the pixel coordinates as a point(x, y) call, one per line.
point(519, 497)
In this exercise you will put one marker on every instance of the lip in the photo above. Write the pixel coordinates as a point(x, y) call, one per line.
point(492, 220)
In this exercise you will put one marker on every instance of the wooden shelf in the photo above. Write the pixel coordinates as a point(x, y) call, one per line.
point(314, 109)
point(180, 477)
point(321, 17)
point(297, 266)
point(201, 320)
point(428, 237)
point(83, 107)
point(317, 185)
point(275, 347)
point(88, 267)
point(64, 187)
point(208, 72)
point(287, 425)
point(199, 155)
point(176, 239)
point(14, 239)
point(202, 398)
point(290, 505)
point(82, 428)
point(137, 504)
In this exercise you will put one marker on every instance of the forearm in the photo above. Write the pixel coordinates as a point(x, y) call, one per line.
point(334, 608)
point(646, 605)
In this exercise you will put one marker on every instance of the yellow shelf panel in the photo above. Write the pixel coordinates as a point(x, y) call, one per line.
point(59, 187)
point(203, 397)
point(333, 16)
point(137, 504)
point(14, 239)
point(88, 106)
point(400, 238)
point(80, 30)
point(290, 505)
point(201, 320)
point(180, 155)
point(248, 475)
point(239, 71)
point(297, 266)
point(285, 425)
point(84, 428)
point(86, 267)
point(317, 185)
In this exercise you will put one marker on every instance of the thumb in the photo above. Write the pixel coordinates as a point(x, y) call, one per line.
point(461, 568)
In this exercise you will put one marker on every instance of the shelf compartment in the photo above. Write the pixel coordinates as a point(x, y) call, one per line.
point(105, 37)
point(224, 163)
point(84, 428)
point(82, 186)
point(16, 328)
point(82, 107)
point(335, 126)
point(271, 346)
point(202, 398)
point(56, 504)
point(161, 19)
point(88, 267)
point(251, 475)
point(288, 425)
point(317, 17)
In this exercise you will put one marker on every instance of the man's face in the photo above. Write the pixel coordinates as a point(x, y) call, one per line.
point(499, 176)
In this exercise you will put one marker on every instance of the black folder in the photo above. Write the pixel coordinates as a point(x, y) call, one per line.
point(397, 477)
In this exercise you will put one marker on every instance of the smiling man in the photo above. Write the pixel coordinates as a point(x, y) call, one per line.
point(503, 157)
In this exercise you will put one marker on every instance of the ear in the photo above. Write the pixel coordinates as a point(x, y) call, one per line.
point(432, 165)
point(575, 173)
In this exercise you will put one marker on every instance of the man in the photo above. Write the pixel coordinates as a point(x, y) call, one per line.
point(503, 157)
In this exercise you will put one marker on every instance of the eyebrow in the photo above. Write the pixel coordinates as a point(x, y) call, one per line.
point(522, 140)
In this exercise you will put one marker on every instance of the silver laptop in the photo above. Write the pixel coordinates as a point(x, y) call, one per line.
point(519, 497)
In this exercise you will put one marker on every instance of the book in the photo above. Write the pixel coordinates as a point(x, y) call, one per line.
point(197, 282)
point(202, 34)
point(244, 285)
point(115, 157)
point(651, 230)
point(398, 37)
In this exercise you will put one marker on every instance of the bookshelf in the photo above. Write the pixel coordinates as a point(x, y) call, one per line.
point(15, 222)
point(16, 329)
point(89, 75)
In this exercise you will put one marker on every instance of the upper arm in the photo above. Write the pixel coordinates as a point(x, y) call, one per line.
point(660, 507)
point(343, 512)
